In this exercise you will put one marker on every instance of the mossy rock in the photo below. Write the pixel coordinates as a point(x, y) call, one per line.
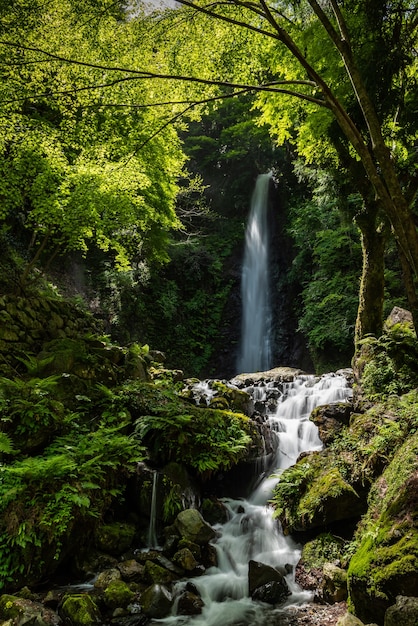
point(115, 538)
point(81, 610)
point(313, 493)
point(323, 549)
point(385, 564)
point(118, 594)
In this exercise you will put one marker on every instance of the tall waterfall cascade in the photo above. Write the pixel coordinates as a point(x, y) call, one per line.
point(251, 532)
point(255, 349)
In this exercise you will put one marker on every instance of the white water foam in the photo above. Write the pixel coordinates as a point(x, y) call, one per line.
point(251, 532)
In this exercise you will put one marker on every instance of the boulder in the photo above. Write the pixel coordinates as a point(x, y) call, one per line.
point(185, 559)
point(334, 583)
point(104, 579)
point(21, 612)
point(80, 610)
point(404, 612)
point(399, 316)
point(156, 601)
point(131, 570)
point(191, 526)
point(330, 419)
point(385, 564)
point(189, 603)
point(265, 583)
point(154, 573)
point(118, 594)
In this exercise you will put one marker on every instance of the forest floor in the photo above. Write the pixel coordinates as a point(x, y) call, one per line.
point(318, 614)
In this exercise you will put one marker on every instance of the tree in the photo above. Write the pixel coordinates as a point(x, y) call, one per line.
point(319, 54)
point(72, 171)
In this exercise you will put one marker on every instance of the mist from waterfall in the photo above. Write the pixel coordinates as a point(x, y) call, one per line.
point(255, 348)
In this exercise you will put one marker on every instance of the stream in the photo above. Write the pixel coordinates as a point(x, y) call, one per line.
point(251, 533)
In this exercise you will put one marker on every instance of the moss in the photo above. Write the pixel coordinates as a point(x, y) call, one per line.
point(385, 563)
point(115, 538)
point(118, 594)
point(81, 610)
point(323, 549)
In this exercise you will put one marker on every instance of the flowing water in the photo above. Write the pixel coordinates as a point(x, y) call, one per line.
point(251, 532)
point(255, 289)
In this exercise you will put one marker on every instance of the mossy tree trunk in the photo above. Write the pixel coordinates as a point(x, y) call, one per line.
point(374, 235)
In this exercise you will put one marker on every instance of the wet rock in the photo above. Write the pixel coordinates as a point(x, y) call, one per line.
point(156, 601)
point(265, 583)
point(21, 612)
point(330, 419)
point(189, 604)
point(80, 610)
point(154, 573)
point(272, 593)
point(185, 559)
point(130, 620)
point(214, 511)
point(404, 612)
point(193, 527)
point(118, 594)
point(131, 570)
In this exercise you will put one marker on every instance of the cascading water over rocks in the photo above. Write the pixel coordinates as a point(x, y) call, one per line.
point(251, 536)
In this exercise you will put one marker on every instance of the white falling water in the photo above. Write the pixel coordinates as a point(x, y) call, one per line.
point(152, 530)
point(251, 532)
point(256, 313)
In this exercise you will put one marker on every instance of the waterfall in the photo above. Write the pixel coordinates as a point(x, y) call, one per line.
point(256, 311)
point(251, 532)
point(152, 529)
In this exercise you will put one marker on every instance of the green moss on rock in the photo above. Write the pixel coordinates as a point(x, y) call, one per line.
point(385, 564)
point(81, 610)
point(118, 594)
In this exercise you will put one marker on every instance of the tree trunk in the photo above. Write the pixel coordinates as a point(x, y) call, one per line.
point(372, 284)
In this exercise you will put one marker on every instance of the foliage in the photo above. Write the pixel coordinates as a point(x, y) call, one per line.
point(390, 366)
point(29, 412)
point(72, 171)
point(69, 486)
point(172, 429)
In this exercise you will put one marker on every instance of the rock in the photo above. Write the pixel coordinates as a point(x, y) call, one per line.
point(118, 594)
point(398, 316)
point(267, 584)
point(115, 538)
point(185, 559)
point(272, 593)
point(278, 374)
point(330, 419)
point(350, 620)
point(21, 612)
point(131, 570)
point(130, 620)
point(156, 601)
point(334, 583)
point(80, 610)
point(385, 564)
point(193, 527)
point(404, 612)
point(104, 579)
point(154, 573)
point(189, 604)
